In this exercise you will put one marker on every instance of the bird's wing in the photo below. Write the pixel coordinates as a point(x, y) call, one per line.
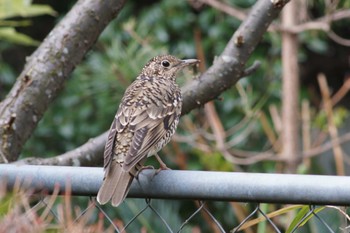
point(150, 128)
point(110, 144)
point(108, 152)
point(148, 120)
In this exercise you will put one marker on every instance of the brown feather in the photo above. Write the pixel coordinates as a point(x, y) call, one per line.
point(111, 182)
point(109, 145)
point(145, 121)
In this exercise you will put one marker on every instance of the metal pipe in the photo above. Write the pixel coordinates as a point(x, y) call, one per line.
point(198, 185)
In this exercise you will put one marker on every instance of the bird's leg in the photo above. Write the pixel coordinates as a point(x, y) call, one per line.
point(146, 167)
point(163, 166)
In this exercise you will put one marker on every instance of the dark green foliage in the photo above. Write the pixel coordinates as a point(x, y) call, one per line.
point(86, 107)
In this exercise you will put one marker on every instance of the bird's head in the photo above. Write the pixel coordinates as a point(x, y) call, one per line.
point(166, 66)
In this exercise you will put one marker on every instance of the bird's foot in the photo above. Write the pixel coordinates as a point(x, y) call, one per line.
point(162, 167)
point(147, 167)
point(141, 169)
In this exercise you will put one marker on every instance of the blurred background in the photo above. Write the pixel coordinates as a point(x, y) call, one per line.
point(240, 131)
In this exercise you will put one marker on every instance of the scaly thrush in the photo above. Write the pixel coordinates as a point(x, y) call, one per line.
point(145, 122)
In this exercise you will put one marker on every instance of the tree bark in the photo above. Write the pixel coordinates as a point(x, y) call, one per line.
point(89, 154)
point(47, 69)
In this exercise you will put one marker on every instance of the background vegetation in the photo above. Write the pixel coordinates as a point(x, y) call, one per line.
point(244, 132)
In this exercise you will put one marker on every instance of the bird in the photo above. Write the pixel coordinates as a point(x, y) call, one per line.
point(145, 121)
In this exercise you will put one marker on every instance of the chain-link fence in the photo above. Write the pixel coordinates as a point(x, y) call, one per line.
point(205, 195)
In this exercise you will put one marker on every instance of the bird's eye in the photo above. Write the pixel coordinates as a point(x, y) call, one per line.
point(165, 63)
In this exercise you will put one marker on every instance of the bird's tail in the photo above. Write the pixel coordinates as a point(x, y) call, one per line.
point(115, 186)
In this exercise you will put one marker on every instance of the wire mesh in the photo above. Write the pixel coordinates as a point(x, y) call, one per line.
point(118, 225)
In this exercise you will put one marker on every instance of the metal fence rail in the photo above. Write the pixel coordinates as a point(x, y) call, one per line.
point(205, 186)
point(197, 185)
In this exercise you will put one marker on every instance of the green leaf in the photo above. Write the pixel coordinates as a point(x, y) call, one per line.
point(260, 219)
point(214, 161)
point(13, 23)
point(5, 204)
point(37, 9)
point(340, 115)
point(24, 8)
point(301, 214)
point(10, 34)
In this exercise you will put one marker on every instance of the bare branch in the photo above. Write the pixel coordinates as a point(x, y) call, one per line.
point(250, 157)
point(311, 25)
point(306, 129)
point(47, 70)
point(85, 155)
point(252, 68)
point(236, 13)
point(338, 39)
point(290, 90)
point(322, 23)
point(315, 151)
point(332, 129)
point(343, 90)
point(270, 133)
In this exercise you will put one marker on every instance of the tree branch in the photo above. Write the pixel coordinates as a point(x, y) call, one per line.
point(290, 90)
point(332, 128)
point(85, 155)
point(227, 69)
point(47, 70)
point(230, 10)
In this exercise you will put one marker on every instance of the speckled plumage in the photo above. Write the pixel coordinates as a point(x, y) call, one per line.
point(145, 121)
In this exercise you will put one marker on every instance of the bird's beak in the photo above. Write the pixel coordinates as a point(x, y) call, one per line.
point(188, 62)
